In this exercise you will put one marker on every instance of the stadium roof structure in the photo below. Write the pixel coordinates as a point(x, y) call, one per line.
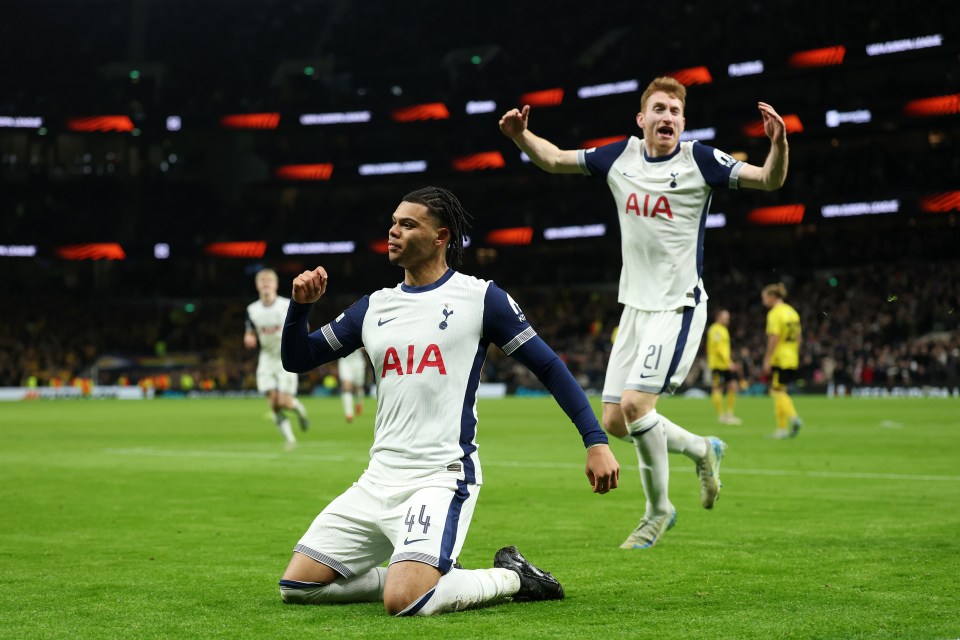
point(187, 123)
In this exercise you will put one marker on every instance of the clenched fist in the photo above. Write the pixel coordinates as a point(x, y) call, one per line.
point(309, 286)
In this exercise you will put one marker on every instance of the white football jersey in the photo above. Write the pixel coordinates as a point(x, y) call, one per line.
point(268, 323)
point(662, 206)
point(427, 346)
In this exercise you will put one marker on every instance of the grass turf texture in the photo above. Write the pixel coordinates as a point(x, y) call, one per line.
point(175, 518)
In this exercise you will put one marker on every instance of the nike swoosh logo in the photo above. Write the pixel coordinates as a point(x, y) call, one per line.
point(643, 375)
point(382, 322)
point(407, 541)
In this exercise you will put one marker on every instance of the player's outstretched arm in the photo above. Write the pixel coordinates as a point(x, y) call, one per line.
point(602, 469)
point(542, 152)
point(773, 173)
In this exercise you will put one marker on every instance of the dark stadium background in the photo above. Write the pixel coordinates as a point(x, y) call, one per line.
point(878, 293)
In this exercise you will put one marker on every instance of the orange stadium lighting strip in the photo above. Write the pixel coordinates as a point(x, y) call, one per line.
point(479, 161)
point(92, 251)
point(691, 76)
point(511, 236)
point(755, 129)
point(938, 106)
point(825, 57)
point(941, 202)
point(599, 142)
point(306, 172)
point(100, 123)
point(543, 98)
point(378, 246)
point(430, 111)
point(250, 121)
point(783, 214)
point(254, 249)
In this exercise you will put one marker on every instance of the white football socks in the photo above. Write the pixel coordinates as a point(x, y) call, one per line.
point(679, 440)
point(283, 424)
point(366, 587)
point(299, 408)
point(651, 443)
point(347, 398)
point(465, 589)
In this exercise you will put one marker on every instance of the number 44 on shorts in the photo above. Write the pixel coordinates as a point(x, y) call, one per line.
point(424, 519)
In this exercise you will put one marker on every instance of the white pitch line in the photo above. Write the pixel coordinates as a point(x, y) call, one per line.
point(247, 455)
point(173, 453)
point(855, 475)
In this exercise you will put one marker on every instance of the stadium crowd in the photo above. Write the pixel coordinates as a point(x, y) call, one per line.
point(882, 325)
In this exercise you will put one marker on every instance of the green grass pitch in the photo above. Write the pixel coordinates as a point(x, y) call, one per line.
point(175, 518)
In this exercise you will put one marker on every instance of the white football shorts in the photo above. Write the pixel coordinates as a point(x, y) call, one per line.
point(654, 350)
point(353, 369)
point(271, 375)
point(370, 523)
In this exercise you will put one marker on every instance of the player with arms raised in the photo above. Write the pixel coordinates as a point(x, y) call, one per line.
point(427, 339)
point(662, 188)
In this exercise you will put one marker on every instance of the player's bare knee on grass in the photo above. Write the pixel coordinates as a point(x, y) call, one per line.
point(406, 583)
point(305, 569)
point(395, 603)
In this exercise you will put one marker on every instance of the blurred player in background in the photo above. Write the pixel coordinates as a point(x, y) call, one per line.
point(427, 338)
point(352, 371)
point(723, 375)
point(662, 188)
point(782, 357)
point(265, 326)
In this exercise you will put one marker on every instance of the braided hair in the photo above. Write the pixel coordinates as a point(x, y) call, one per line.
point(447, 210)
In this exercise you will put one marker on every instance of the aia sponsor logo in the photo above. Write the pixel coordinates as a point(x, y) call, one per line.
point(431, 358)
point(648, 206)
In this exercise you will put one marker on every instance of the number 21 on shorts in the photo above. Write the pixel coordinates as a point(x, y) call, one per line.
point(652, 361)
